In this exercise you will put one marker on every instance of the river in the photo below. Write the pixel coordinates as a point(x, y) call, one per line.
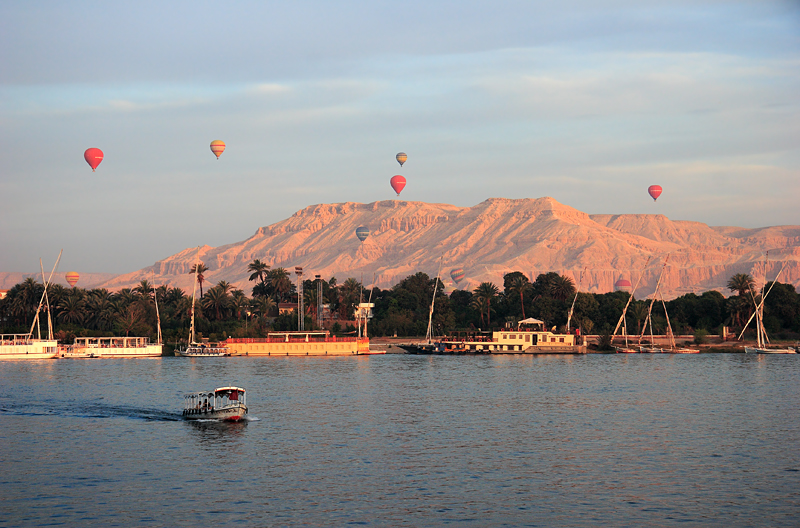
point(623, 440)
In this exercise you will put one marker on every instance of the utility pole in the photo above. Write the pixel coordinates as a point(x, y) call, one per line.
point(298, 270)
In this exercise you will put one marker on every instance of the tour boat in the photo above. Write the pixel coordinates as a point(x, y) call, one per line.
point(24, 346)
point(111, 347)
point(512, 340)
point(228, 404)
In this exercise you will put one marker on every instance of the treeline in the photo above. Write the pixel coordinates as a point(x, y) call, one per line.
point(402, 310)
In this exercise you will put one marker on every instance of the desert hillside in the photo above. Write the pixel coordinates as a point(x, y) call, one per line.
point(488, 240)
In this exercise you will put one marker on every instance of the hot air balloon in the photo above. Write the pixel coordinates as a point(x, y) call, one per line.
point(457, 275)
point(398, 183)
point(622, 285)
point(93, 157)
point(401, 158)
point(655, 191)
point(362, 233)
point(72, 277)
point(217, 147)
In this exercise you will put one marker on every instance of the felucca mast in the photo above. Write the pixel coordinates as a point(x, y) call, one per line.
point(625, 310)
point(155, 299)
point(650, 309)
point(44, 296)
point(572, 308)
point(194, 292)
point(429, 333)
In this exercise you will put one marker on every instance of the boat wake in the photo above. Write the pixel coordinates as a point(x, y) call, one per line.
point(91, 410)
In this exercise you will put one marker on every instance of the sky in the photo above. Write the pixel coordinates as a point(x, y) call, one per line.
point(589, 102)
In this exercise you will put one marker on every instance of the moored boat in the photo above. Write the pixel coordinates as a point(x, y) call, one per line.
point(227, 404)
point(24, 346)
point(309, 343)
point(111, 347)
point(195, 349)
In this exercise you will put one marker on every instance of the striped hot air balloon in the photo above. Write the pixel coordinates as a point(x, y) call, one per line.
point(72, 278)
point(217, 147)
point(457, 275)
point(362, 233)
point(401, 158)
point(622, 285)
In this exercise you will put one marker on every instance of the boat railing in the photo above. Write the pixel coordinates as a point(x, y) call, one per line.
point(292, 339)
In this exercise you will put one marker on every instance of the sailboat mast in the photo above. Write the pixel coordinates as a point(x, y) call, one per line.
point(572, 308)
point(38, 308)
point(650, 309)
point(194, 292)
point(625, 310)
point(155, 299)
point(429, 333)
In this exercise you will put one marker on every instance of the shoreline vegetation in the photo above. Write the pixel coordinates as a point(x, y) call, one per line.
point(400, 312)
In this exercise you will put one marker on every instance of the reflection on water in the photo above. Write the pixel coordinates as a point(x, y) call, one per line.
point(414, 440)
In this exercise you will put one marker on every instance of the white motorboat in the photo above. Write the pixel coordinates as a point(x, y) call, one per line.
point(228, 404)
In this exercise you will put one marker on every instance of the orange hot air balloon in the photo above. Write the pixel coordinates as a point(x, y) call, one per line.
point(401, 158)
point(93, 157)
point(655, 191)
point(72, 278)
point(398, 183)
point(217, 147)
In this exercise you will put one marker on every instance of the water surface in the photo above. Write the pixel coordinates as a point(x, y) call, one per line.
point(405, 440)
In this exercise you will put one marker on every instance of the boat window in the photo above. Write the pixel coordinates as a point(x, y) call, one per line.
point(561, 339)
point(527, 338)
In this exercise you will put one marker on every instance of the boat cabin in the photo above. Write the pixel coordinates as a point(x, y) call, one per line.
point(208, 402)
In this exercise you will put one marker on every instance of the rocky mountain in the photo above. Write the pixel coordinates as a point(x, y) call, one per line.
point(488, 240)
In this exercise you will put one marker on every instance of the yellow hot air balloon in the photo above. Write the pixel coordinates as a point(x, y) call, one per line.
point(72, 278)
point(217, 147)
point(401, 158)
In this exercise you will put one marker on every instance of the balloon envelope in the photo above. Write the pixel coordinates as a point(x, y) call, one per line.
point(655, 191)
point(398, 183)
point(72, 278)
point(457, 275)
point(217, 147)
point(401, 158)
point(362, 233)
point(93, 157)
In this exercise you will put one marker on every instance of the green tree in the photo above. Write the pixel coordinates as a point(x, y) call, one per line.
point(742, 283)
point(258, 270)
point(486, 292)
point(200, 269)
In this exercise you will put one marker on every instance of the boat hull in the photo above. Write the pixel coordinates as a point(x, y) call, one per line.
point(227, 414)
point(757, 350)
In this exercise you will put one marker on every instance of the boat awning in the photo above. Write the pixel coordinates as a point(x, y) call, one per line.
point(531, 320)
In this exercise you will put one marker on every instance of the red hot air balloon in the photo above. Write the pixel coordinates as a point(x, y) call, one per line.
point(398, 183)
point(655, 191)
point(72, 278)
point(93, 157)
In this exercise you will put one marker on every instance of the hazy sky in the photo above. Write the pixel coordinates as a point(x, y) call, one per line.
point(589, 102)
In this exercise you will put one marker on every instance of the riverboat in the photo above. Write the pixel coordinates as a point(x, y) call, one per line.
point(519, 340)
point(303, 343)
point(24, 346)
point(228, 404)
point(111, 347)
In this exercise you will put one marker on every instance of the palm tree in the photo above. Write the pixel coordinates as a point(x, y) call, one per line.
point(519, 285)
point(217, 299)
point(561, 288)
point(225, 286)
point(349, 297)
point(144, 289)
point(199, 268)
point(281, 283)
point(478, 303)
point(72, 309)
point(130, 319)
point(742, 283)
point(239, 303)
point(487, 291)
point(638, 310)
point(259, 270)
